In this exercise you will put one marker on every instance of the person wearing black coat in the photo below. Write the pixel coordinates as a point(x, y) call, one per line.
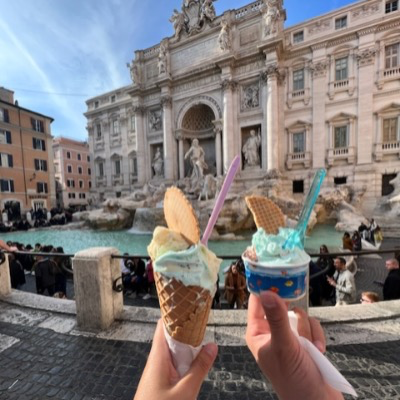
point(391, 287)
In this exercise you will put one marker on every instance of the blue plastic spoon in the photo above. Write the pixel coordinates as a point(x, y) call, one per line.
point(296, 238)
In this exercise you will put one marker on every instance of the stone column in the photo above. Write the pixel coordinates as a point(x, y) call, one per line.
point(97, 304)
point(168, 138)
point(5, 280)
point(228, 86)
point(140, 143)
point(365, 137)
point(218, 154)
point(272, 118)
point(181, 158)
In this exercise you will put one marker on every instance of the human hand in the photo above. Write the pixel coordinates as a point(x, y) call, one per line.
point(278, 352)
point(160, 379)
point(331, 281)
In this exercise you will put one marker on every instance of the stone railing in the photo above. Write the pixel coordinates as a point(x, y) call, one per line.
point(341, 153)
point(250, 8)
point(387, 148)
point(344, 85)
point(101, 181)
point(133, 177)
point(118, 179)
point(303, 158)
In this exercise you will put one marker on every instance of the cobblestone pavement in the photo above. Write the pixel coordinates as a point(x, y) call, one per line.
point(41, 364)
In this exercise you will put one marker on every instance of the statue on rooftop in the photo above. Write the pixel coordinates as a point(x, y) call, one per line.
point(179, 20)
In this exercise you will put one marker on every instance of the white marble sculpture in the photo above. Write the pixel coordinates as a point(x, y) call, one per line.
point(251, 97)
point(162, 60)
point(208, 10)
point(250, 149)
point(134, 70)
point(158, 163)
point(196, 156)
point(271, 15)
point(224, 39)
point(178, 19)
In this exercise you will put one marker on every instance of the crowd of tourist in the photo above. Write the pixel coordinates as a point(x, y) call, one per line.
point(371, 234)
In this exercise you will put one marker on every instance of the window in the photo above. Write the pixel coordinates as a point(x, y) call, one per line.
point(117, 165)
point(115, 127)
point(37, 125)
point(88, 158)
point(133, 165)
point(133, 123)
point(6, 160)
point(101, 169)
point(298, 142)
point(341, 22)
point(113, 99)
point(68, 154)
point(70, 183)
point(341, 69)
point(391, 6)
point(298, 79)
point(96, 104)
point(89, 171)
point(98, 130)
point(298, 186)
point(340, 180)
point(40, 165)
point(391, 129)
point(71, 195)
point(5, 137)
point(80, 184)
point(387, 187)
point(69, 169)
point(340, 139)
point(41, 187)
point(7, 185)
point(4, 116)
point(39, 144)
point(392, 56)
point(82, 195)
point(80, 170)
point(79, 157)
point(298, 37)
point(90, 184)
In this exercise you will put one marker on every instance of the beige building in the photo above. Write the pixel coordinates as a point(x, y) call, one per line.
point(72, 172)
point(324, 93)
point(26, 157)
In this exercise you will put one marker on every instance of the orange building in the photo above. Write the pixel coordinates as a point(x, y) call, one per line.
point(26, 176)
point(72, 172)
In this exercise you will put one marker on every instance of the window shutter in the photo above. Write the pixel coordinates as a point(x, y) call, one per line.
point(10, 160)
point(45, 165)
point(45, 188)
point(11, 186)
point(6, 116)
point(1, 185)
point(1, 164)
point(34, 143)
point(43, 145)
point(8, 137)
point(41, 126)
point(38, 187)
point(37, 165)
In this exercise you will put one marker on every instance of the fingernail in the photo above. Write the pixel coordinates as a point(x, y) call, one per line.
point(211, 349)
point(319, 346)
point(268, 299)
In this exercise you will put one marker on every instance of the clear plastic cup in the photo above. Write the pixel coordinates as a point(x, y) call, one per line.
point(288, 281)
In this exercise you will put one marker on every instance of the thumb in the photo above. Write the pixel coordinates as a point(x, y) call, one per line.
point(198, 371)
point(276, 312)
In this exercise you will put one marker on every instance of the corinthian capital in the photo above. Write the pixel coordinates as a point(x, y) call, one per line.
point(166, 101)
point(229, 84)
point(319, 68)
point(139, 109)
point(366, 56)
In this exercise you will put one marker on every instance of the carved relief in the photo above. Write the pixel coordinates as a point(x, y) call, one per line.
point(365, 10)
point(224, 38)
point(366, 57)
point(155, 121)
point(319, 26)
point(229, 84)
point(319, 69)
point(250, 97)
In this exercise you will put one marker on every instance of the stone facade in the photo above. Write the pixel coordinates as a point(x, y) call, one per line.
point(323, 93)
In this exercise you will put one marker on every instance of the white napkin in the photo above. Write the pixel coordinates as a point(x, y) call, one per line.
point(182, 354)
point(330, 374)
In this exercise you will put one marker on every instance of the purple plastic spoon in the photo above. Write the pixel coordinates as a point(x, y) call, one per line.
point(221, 199)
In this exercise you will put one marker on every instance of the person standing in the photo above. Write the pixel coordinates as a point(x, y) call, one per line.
point(391, 287)
point(343, 282)
point(235, 287)
point(347, 243)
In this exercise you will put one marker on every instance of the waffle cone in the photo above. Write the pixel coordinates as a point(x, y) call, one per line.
point(266, 214)
point(184, 309)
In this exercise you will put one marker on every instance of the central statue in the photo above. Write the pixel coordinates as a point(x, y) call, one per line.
point(196, 154)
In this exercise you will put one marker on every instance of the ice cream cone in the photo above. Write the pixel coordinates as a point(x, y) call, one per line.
point(184, 309)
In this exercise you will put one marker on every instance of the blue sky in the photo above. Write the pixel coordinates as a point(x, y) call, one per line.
point(55, 54)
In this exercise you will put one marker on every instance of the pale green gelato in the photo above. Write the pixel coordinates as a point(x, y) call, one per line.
point(269, 249)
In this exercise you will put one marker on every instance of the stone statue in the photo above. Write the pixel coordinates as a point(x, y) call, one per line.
point(157, 164)
point(134, 70)
point(178, 19)
point(250, 149)
point(271, 15)
point(224, 39)
point(155, 121)
point(207, 10)
point(250, 97)
point(196, 154)
point(162, 60)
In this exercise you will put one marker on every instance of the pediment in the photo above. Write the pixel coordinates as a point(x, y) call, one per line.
point(99, 159)
point(392, 107)
point(115, 156)
point(298, 124)
point(342, 116)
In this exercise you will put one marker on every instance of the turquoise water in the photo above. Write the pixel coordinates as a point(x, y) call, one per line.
point(75, 240)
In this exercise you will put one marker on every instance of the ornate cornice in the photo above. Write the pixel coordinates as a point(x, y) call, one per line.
point(366, 56)
point(341, 40)
point(319, 68)
point(229, 84)
point(166, 101)
point(387, 26)
point(318, 46)
point(366, 31)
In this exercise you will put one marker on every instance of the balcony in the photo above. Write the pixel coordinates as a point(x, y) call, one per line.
point(302, 159)
point(115, 140)
point(302, 95)
point(132, 139)
point(99, 144)
point(101, 181)
point(341, 154)
point(387, 75)
point(117, 180)
point(133, 177)
point(344, 85)
point(387, 149)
